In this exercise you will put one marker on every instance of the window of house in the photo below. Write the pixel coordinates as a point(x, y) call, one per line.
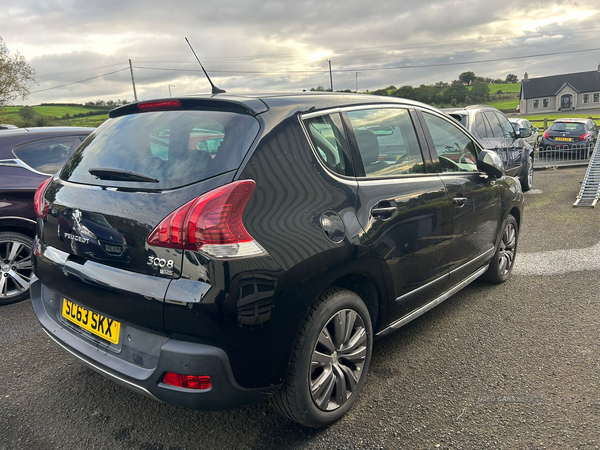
point(586, 98)
point(536, 103)
point(545, 103)
point(596, 97)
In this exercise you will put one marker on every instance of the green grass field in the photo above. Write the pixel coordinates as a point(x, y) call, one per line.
point(91, 121)
point(505, 104)
point(50, 110)
point(505, 88)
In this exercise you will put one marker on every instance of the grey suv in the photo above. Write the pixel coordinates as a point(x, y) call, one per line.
point(493, 130)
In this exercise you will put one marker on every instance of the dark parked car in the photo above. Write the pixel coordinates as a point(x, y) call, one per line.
point(266, 267)
point(573, 136)
point(493, 130)
point(28, 156)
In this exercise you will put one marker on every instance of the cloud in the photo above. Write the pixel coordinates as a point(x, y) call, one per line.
point(286, 44)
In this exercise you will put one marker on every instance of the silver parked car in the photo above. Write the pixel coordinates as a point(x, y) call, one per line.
point(517, 124)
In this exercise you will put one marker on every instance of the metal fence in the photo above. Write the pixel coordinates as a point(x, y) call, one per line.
point(562, 155)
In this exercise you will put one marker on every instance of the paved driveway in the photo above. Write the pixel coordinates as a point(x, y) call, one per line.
point(509, 366)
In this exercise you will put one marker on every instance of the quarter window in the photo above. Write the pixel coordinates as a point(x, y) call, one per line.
point(387, 142)
point(326, 135)
point(483, 128)
point(456, 151)
point(48, 155)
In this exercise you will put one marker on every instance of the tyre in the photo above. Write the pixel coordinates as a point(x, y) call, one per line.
point(329, 361)
point(16, 267)
point(527, 179)
point(504, 259)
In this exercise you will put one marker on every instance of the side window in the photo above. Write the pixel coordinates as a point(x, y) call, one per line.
point(387, 142)
point(482, 127)
point(48, 155)
point(326, 135)
point(497, 130)
point(456, 151)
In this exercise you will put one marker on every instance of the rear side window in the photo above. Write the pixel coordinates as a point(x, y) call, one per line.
point(175, 147)
point(47, 155)
point(387, 142)
point(326, 135)
point(483, 129)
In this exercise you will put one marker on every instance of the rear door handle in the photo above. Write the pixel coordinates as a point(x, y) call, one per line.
point(460, 201)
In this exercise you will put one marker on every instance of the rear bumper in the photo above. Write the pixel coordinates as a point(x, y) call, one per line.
point(144, 358)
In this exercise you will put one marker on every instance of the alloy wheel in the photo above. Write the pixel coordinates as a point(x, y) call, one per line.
point(338, 360)
point(507, 249)
point(16, 268)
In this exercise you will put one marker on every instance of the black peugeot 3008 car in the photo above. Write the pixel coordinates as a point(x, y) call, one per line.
point(28, 156)
point(267, 266)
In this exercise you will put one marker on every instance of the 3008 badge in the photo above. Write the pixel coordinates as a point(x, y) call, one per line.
point(160, 262)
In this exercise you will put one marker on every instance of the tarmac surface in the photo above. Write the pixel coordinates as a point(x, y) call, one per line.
point(508, 366)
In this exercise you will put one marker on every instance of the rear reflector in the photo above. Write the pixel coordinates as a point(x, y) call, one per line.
point(163, 105)
point(40, 205)
point(211, 224)
point(187, 381)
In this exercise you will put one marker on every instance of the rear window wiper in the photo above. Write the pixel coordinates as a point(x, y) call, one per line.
point(109, 173)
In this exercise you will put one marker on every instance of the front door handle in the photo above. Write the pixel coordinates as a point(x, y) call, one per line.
point(460, 201)
point(383, 212)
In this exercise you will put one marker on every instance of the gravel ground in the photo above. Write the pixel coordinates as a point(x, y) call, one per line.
point(499, 367)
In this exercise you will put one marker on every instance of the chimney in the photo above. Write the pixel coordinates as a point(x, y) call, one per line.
point(526, 76)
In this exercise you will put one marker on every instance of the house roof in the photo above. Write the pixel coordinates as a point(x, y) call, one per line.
point(550, 86)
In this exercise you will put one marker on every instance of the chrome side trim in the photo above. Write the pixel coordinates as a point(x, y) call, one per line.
point(19, 218)
point(423, 309)
point(107, 374)
point(432, 284)
point(422, 289)
point(16, 162)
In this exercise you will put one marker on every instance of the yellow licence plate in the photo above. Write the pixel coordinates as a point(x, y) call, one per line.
point(563, 139)
point(93, 322)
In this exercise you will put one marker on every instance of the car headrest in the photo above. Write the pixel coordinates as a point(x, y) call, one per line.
point(368, 145)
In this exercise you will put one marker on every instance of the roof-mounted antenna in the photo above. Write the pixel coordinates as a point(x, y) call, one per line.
point(215, 90)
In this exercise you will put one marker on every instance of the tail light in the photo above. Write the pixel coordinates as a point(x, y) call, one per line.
point(211, 223)
point(40, 204)
point(545, 135)
point(200, 382)
point(584, 136)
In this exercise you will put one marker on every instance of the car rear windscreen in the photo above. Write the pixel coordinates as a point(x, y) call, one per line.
point(174, 147)
point(567, 127)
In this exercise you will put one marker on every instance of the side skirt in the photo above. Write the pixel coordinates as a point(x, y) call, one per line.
point(423, 309)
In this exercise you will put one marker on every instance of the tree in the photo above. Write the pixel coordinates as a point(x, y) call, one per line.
point(512, 78)
point(27, 113)
point(467, 78)
point(457, 92)
point(15, 75)
point(479, 92)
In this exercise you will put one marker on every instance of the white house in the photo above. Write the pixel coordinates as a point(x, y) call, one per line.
point(567, 92)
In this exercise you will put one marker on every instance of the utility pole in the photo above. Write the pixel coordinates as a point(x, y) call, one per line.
point(133, 81)
point(357, 82)
point(170, 86)
point(330, 76)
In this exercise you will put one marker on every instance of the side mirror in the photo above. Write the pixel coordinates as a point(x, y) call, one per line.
point(524, 132)
point(489, 162)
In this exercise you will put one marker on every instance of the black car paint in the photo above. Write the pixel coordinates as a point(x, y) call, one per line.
point(251, 309)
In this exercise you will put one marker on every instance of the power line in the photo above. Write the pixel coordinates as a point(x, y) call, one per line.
point(353, 69)
point(53, 76)
point(79, 81)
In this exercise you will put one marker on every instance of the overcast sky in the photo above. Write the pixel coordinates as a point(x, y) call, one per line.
point(251, 45)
